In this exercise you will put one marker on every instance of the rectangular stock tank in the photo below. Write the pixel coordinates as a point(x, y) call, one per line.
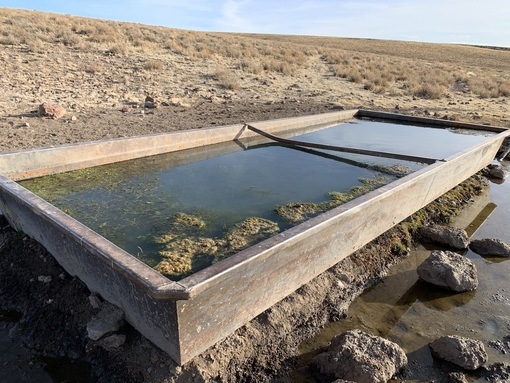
point(185, 318)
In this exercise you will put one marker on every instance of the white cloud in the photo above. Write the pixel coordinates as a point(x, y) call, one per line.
point(233, 15)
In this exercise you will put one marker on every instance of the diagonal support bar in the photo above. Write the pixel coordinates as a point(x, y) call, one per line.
point(397, 156)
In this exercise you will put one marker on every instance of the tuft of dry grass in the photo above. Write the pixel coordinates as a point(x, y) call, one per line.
point(154, 65)
point(226, 78)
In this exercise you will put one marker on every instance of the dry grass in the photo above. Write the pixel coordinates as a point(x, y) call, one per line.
point(226, 78)
point(390, 68)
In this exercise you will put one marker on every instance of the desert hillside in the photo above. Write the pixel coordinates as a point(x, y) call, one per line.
point(102, 71)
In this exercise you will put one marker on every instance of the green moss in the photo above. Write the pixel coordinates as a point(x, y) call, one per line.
point(183, 221)
point(394, 170)
point(298, 211)
point(181, 251)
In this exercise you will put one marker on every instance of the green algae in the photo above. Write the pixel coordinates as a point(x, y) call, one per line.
point(296, 212)
point(393, 170)
point(182, 253)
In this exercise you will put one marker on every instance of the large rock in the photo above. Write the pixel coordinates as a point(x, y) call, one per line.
point(450, 270)
point(51, 110)
point(445, 235)
point(497, 171)
point(464, 352)
point(108, 320)
point(361, 357)
point(490, 247)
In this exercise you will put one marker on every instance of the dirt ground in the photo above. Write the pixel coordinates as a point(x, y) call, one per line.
point(56, 307)
point(108, 103)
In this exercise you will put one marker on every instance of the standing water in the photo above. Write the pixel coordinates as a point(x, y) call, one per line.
point(142, 205)
point(413, 313)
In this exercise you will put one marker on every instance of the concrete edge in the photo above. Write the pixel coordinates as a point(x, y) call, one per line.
point(427, 120)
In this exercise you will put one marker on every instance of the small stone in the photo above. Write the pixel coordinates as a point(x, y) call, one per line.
point(44, 278)
point(95, 302)
point(125, 109)
point(113, 341)
point(497, 373)
point(149, 99)
point(453, 237)
point(108, 320)
point(73, 118)
point(449, 270)
point(457, 377)
point(51, 110)
point(490, 247)
point(498, 173)
point(464, 352)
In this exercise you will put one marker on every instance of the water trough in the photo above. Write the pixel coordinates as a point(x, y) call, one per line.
point(185, 317)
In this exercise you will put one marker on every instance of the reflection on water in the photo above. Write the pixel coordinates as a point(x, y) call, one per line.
point(133, 202)
point(413, 313)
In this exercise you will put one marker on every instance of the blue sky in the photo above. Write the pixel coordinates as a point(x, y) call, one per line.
point(456, 21)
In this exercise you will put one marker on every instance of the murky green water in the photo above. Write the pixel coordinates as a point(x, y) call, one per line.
point(413, 313)
point(134, 202)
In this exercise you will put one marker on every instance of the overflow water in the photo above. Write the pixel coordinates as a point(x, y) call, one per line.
point(134, 204)
point(413, 313)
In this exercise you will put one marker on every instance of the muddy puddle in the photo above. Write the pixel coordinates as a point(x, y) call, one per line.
point(20, 363)
point(413, 313)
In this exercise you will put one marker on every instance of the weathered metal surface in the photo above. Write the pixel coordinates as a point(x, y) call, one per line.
point(30, 163)
point(439, 123)
point(185, 318)
point(237, 289)
point(104, 268)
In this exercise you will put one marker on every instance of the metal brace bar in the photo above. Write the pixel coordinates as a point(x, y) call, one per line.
point(405, 157)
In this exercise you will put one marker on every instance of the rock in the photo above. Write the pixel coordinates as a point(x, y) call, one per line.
point(464, 352)
point(74, 118)
point(125, 109)
point(95, 302)
point(113, 341)
point(149, 105)
point(149, 99)
point(497, 171)
point(44, 278)
point(497, 373)
point(361, 357)
point(51, 110)
point(450, 270)
point(490, 247)
point(457, 377)
point(445, 235)
point(108, 320)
